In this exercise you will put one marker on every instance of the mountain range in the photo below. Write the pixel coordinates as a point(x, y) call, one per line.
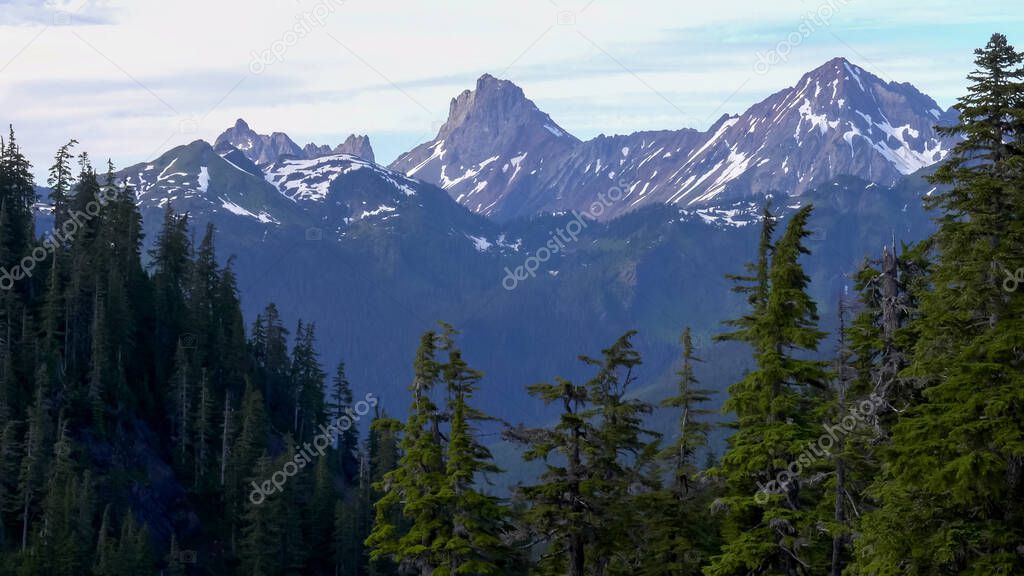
point(375, 255)
point(500, 156)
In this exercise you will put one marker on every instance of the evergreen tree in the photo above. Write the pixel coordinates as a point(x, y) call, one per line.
point(34, 462)
point(951, 488)
point(679, 533)
point(474, 544)
point(774, 530)
point(98, 371)
point(260, 545)
point(272, 367)
point(203, 430)
point(170, 263)
point(105, 547)
point(693, 430)
point(248, 452)
point(60, 182)
point(307, 378)
point(412, 487)
point(17, 195)
point(338, 399)
point(174, 564)
point(8, 475)
point(587, 508)
point(180, 400)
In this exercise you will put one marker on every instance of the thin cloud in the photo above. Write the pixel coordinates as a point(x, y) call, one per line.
point(56, 13)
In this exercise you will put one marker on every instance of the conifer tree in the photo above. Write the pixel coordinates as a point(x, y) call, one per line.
point(474, 544)
point(951, 484)
point(307, 381)
point(587, 507)
point(203, 429)
point(678, 531)
point(17, 195)
point(174, 564)
point(170, 263)
point(412, 487)
point(770, 524)
point(693, 430)
point(180, 400)
point(8, 475)
point(321, 519)
point(34, 461)
point(340, 398)
point(98, 368)
point(105, 547)
point(259, 544)
point(269, 347)
point(60, 181)
point(248, 450)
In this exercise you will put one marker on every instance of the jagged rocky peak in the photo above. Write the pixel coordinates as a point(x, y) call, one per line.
point(356, 145)
point(495, 105)
point(266, 149)
point(259, 148)
point(494, 136)
point(499, 155)
point(313, 150)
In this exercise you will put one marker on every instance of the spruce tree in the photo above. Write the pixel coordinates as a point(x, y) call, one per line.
point(34, 461)
point(585, 504)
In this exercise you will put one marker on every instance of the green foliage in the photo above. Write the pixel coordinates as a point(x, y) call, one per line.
point(433, 517)
point(770, 523)
point(950, 488)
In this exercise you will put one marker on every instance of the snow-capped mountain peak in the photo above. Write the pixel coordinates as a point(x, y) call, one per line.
point(495, 139)
point(501, 156)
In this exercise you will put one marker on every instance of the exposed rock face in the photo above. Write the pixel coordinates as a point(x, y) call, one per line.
point(491, 149)
point(259, 148)
point(356, 145)
point(263, 149)
point(501, 156)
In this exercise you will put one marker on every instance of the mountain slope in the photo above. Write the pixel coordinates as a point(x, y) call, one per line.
point(495, 142)
point(838, 120)
point(198, 179)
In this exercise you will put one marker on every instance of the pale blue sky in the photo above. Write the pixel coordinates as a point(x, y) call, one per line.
point(131, 79)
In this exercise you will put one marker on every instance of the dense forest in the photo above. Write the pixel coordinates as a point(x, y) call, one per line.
point(144, 429)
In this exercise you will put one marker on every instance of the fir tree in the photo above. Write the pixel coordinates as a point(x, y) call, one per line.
point(34, 462)
point(412, 487)
point(338, 399)
point(60, 181)
point(951, 488)
point(774, 530)
point(474, 544)
point(679, 533)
